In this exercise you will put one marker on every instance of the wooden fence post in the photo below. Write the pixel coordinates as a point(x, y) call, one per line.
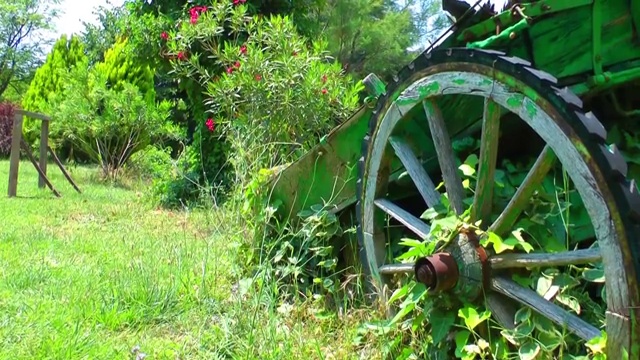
point(44, 144)
point(14, 162)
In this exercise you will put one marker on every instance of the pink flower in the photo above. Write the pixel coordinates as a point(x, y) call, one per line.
point(195, 13)
point(238, 2)
point(229, 70)
point(236, 65)
point(211, 125)
point(182, 55)
point(258, 77)
point(324, 91)
point(243, 49)
point(164, 35)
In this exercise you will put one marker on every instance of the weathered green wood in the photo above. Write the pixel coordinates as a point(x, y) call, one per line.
point(516, 260)
point(588, 44)
point(550, 310)
point(510, 214)
point(446, 156)
point(482, 199)
point(326, 173)
point(374, 85)
point(635, 15)
point(413, 223)
point(420, 178)
point(574, 37)
point(330, 167)
point(563, 43)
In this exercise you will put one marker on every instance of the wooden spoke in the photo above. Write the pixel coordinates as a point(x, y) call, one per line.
point(502, 309)
point(413, 223)
point(446, 157)
point(391, 269)
point(481, 209)
point(517, 204)
point(584, 256)
point(419, 176)
point(552, 311)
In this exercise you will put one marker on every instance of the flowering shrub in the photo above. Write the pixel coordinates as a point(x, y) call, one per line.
point(267, 92)
point(6, 127)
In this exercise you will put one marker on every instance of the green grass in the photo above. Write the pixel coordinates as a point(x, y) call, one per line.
point(93, 275)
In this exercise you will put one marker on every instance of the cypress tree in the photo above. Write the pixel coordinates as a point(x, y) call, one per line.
point(49, 80)
point(121, 68)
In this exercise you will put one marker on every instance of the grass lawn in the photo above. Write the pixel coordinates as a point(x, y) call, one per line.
point(101, 274)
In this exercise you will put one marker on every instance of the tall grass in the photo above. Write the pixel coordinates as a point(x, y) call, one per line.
point(104, 275)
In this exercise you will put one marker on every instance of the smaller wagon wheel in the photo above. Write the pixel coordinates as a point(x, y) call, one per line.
point(464, 269)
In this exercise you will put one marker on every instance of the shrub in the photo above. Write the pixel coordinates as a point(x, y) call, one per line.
point(6, 127)
point(276, 95)
point(150, 163)
point(110, 125)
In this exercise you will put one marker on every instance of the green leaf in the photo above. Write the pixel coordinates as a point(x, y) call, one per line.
point(441, 323)
point(521, 242)
point(471, 316)
point(524, 329)
point(529, 351)
point(550, 340)
point(565, 281)
point(471, 160)
point(414, 252)
point(570, 302)
point(467, 170)
point(447, 223)
point(430, 214)
point(593, 275)
point(523, 314)
point(399, 293)
point(461, 339)
point(598, 344)
point(498, 244)
point(543, 284)
point(411, 242)
point(404, 311)
point(418, 291)
point(543, 324)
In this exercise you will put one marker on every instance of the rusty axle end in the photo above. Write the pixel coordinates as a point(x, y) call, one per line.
point(439, 272)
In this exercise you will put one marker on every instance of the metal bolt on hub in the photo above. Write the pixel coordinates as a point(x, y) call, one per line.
point(439, 272)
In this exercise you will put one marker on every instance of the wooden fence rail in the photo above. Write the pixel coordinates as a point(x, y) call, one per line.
point(17, 143)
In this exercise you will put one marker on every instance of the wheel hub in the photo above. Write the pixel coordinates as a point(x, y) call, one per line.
point(439, 272)
point(460, 268)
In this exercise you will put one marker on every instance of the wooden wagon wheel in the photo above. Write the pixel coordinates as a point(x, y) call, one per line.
point(462, 269)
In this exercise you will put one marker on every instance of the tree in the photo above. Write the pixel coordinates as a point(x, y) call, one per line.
point(22, 23)
point(368, 35)
point(49, 80)
point(100, 37)
point(120, 67)
point(429, 19)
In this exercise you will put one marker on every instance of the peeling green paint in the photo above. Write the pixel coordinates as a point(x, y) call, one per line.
point(531, 109)
point(431, 88)
point(515, 100)
point(409, 100)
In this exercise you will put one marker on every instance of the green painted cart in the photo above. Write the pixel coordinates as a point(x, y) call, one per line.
point(539, 84)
